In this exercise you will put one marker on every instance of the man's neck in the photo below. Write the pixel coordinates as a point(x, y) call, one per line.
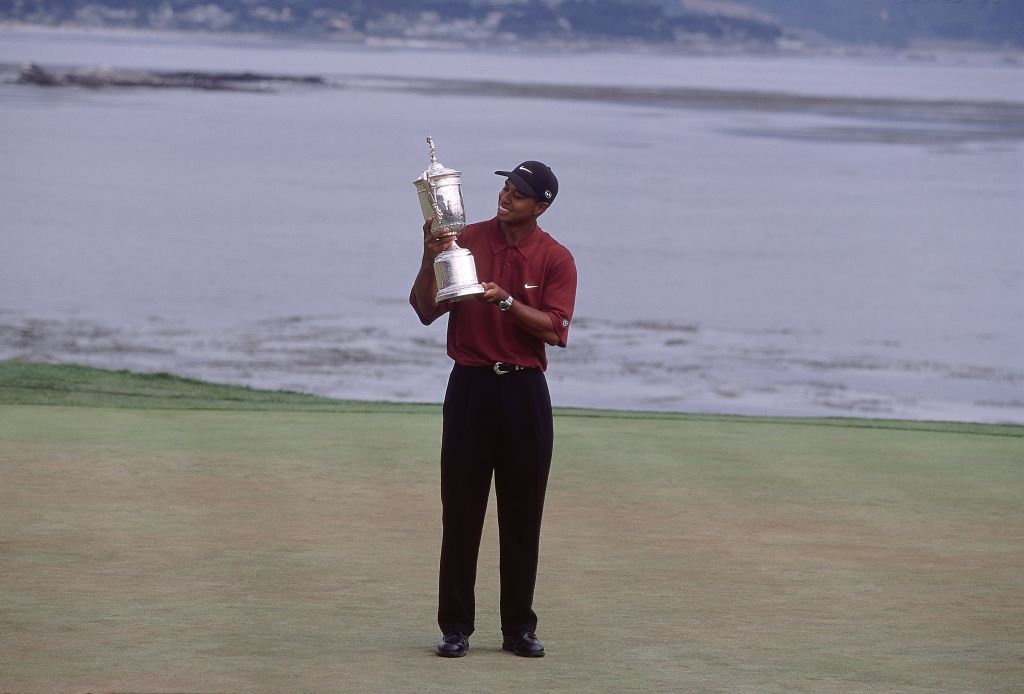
point(517, 232)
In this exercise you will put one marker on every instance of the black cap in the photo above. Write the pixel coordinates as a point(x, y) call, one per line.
point(535, 179)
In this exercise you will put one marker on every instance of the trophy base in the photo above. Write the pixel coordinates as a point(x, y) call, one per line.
point(459, 293)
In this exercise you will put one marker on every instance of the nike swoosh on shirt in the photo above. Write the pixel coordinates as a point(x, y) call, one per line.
point(530, 286)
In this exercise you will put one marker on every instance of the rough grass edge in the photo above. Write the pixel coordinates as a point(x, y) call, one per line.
point(75, 385)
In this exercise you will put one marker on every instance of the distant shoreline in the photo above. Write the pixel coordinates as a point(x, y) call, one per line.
point(920, 51)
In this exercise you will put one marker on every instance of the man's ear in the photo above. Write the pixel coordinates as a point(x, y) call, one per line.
point(539, 209)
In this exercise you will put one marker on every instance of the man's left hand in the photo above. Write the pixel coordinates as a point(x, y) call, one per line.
point(493, 293)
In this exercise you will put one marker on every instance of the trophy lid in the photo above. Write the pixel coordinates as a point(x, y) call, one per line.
point(436, 168)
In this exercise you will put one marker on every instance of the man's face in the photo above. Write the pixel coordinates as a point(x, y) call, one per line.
point(515, 207)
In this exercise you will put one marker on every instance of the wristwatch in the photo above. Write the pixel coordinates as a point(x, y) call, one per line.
point(505, 304)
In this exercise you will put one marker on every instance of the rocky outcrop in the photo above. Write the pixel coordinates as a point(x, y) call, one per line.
point(96, 78)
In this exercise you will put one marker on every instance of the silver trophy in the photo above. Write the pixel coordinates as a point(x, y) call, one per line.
point(440, 191)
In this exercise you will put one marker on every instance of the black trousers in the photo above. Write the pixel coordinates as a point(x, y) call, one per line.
point(500, 425)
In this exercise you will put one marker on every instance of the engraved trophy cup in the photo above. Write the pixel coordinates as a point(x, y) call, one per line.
point(440, 192)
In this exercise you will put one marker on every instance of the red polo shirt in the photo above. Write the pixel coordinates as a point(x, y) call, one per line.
point(538, 271)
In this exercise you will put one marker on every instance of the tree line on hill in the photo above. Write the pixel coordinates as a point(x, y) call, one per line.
point(894, 23)
point(644, 21)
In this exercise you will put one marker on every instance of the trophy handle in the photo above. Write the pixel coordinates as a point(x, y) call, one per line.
point(430, 184)
point(431, 193)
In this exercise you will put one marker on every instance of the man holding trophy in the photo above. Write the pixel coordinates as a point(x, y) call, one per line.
point(497, 410)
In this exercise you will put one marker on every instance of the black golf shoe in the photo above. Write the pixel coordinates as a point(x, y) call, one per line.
point(453, 645)
point(525, 644)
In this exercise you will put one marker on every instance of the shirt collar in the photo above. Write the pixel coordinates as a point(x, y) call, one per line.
point(526, 246)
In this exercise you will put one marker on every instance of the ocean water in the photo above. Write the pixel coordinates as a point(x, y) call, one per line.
point(758, 235)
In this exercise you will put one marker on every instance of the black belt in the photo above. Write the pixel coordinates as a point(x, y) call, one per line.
point(501, 368)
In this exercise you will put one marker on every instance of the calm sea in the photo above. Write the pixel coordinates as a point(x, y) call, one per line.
point(758, 235)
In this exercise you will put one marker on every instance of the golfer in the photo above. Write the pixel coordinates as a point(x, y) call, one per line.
point(497, 410)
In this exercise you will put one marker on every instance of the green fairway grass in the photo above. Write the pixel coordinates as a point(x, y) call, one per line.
point(161, 534)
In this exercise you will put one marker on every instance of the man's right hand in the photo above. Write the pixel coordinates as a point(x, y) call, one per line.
point(434, 243)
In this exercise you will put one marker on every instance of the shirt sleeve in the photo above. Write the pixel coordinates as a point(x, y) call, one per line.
point(560, 294)
point(428, 318)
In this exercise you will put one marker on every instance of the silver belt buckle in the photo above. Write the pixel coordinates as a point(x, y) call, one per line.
point(497, 368)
